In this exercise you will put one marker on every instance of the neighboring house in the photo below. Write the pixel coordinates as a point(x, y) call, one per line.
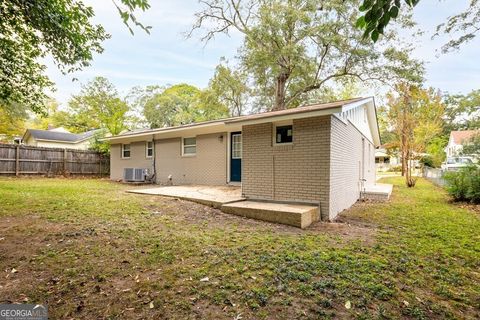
point(58, 138)
point(319, 154)
point(385, 159)
point(456, 140)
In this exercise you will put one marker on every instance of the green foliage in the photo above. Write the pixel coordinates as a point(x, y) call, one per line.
point(471, 147)
point(427, 161)
point(230, 86)
point(100, 145)
point(10, 127)
point(415, 116)
point(182, 104)
point(98, 105)
point(436, 150)
point(464, 184)
point(378, 14)
point(294, 48)
point(61, 29)
point(417, 248)
point(462, 111)
point(461, 28)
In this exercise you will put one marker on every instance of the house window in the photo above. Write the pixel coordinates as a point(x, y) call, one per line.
point(284, 134)
point(189, 146)
point(237, 146)
point(149, 149)
point(125, 151)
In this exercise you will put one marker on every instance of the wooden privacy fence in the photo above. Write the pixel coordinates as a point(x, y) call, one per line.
point(26, 160)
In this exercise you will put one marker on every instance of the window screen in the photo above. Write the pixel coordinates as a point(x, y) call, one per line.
point(189, 146)
point(125, 151)
point(149, 149)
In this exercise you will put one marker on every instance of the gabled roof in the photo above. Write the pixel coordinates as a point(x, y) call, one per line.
point(227, 124)
point(51, 135)
point(298, 110)
point(460, 136)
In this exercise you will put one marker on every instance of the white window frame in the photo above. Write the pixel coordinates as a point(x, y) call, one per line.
point(233, 145)
point(147, 148)
point(129, 150)
point(282, 124)
point(189, 145)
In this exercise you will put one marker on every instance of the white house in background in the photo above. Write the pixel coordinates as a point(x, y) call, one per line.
point(456, 140)
point(59, 138)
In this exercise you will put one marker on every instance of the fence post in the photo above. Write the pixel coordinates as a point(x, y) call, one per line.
point(64, 162)
point(17, 161)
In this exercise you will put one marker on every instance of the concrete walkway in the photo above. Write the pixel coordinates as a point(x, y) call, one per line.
point(214, 196)
point(229, 199)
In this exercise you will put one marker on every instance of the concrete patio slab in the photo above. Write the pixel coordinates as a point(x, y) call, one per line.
point(378, 191)
point(214, 196)
point(297, 215)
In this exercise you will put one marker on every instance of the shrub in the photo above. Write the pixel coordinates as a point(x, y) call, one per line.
point(427, 161)
point(464, 184)
point(397, 168)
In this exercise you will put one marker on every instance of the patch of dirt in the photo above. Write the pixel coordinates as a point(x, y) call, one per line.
point(469, 206)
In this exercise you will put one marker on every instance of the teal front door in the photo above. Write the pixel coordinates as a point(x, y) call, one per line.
point(236, 157)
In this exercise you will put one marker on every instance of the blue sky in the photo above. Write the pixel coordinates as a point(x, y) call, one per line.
point(167, 57)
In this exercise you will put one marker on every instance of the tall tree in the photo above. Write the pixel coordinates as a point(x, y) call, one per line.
point(98, 105)
point(230, 86)
point(62, 29)
point(415, 115)
point(182, 104)
point(10, 126)
point(463, 111)
point(292, 48)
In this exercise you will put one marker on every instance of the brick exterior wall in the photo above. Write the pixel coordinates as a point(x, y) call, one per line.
point(322, 166)
point(137, 159)
point(296, 172)
point(208, 166)
point(346, 165)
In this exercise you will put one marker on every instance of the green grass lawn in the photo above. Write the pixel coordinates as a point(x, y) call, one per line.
point(89, 250)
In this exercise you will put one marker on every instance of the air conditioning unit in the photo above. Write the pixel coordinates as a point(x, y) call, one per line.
point(134, 174)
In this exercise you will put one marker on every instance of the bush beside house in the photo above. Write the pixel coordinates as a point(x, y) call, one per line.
point(464, 185)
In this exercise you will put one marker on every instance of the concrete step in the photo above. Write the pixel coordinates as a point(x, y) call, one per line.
point(378, 192)
point(297, 215)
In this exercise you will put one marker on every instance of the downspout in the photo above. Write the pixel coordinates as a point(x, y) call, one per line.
point(154, 177)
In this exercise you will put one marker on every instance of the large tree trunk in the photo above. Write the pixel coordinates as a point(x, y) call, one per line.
point(280, 88)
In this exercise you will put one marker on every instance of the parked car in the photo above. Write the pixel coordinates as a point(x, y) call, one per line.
point(455, 163)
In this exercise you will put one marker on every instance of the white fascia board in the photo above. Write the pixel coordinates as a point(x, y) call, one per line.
point(293, 116)
point(371, 115)
point(356, 104)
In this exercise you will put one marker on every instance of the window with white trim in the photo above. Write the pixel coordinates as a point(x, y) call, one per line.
point(125, 151)
point(236, 146)
point(149, 149)
point(189, 147)
point(284, 134)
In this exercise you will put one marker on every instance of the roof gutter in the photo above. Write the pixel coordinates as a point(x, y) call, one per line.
point(296, 115)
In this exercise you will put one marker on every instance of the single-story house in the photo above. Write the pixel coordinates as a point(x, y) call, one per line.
point(456, 141)
point(58, 138)
point(318, 154)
